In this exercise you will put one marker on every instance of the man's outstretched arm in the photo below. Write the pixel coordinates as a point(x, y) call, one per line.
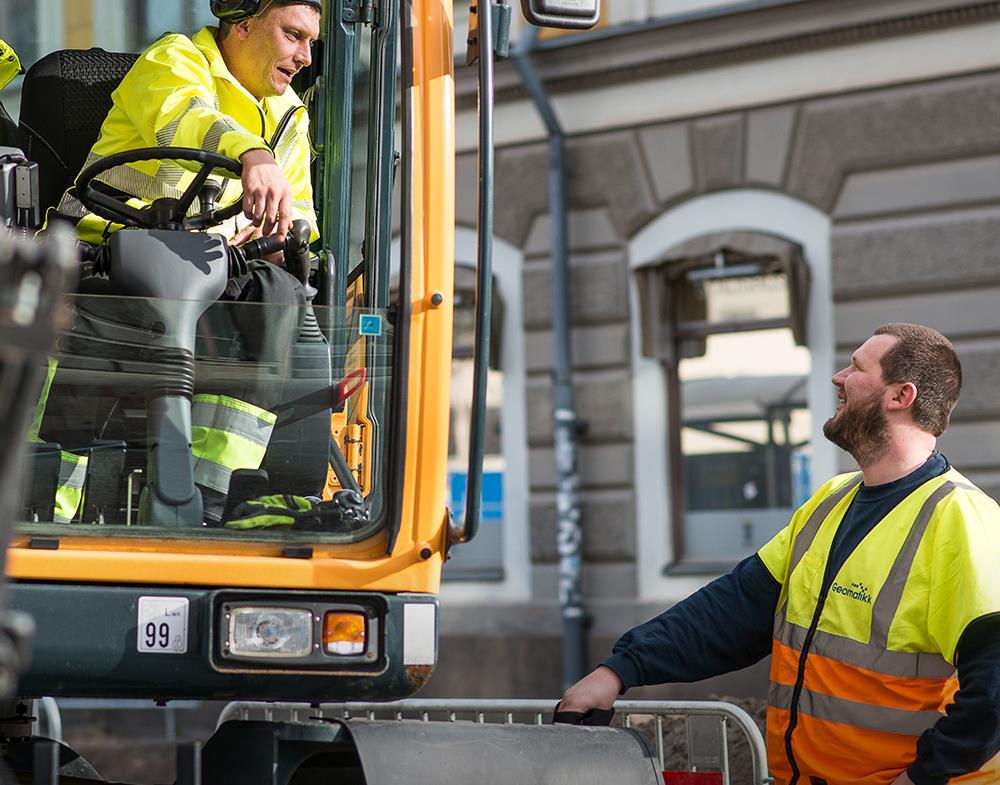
point(722, 627)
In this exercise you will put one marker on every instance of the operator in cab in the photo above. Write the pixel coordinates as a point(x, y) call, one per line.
point(225, 90)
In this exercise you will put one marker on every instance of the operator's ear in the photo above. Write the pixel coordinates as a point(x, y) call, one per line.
point(242, 29)
point(903, 396)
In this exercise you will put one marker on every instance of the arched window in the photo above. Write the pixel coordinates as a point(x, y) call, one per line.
point(736, 406)
point(725, 315)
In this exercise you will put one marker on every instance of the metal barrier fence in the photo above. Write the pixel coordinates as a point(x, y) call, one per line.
point(706, 723)
point(49, 722)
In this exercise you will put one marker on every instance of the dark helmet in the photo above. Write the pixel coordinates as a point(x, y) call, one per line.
point(238, 10)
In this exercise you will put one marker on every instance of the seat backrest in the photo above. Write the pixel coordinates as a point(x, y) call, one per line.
point(64, 100)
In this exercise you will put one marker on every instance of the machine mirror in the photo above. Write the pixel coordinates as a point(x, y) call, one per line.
point(572, 14)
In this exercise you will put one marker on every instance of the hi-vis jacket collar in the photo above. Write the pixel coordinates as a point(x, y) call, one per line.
point(10, 66)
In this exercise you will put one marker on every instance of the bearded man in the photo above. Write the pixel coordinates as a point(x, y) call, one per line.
point(879, 602)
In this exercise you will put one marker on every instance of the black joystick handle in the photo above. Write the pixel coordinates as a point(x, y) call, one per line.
point(296, 248)
point(261, 247)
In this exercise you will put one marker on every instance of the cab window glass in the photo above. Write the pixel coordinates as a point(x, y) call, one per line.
point(91, 455)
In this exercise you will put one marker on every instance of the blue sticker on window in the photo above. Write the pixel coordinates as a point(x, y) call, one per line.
point(370, 324)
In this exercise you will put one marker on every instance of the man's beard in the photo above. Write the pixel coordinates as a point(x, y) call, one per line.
point(861, 430)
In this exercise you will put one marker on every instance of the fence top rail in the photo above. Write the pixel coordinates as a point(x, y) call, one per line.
point(534, 706)
point(491, 705)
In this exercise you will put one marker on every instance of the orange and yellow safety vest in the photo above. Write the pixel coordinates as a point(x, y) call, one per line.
point(860, 672)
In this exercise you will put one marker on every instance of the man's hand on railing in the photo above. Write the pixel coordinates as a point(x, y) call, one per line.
point(591, 699)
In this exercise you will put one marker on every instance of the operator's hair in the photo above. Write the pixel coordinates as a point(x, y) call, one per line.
point(927, 359)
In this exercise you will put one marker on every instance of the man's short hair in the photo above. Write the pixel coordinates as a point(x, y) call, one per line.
point(927, 359)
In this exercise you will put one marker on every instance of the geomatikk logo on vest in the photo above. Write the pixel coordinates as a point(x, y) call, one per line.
point(858, 591)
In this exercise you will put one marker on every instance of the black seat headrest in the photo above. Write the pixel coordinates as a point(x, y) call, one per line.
point(64, 100)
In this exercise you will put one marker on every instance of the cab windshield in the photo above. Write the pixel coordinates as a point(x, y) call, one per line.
point(278, 415)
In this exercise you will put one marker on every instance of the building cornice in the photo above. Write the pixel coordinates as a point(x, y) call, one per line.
point(661, 49)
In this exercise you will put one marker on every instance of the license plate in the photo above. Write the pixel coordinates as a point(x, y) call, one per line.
point(163, 625)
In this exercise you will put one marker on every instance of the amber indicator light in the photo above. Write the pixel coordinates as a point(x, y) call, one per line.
point(344, 633)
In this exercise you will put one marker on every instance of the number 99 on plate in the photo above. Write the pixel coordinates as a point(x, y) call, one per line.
point(163, 625)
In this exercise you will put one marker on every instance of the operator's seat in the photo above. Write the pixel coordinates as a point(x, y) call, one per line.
point(64, 99)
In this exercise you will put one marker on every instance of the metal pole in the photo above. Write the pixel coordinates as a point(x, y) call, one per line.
point(565, 423)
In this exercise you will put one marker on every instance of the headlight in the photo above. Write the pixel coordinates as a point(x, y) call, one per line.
point(270, 632)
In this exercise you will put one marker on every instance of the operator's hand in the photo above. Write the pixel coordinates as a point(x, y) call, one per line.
point(597, 690)
point(267, 196)
point(251, 232)
point(246, 234)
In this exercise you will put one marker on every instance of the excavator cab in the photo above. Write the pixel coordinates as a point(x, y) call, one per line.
point(274, 575)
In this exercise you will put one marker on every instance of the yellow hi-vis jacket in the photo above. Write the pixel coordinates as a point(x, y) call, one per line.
point(10, 66)
point(858, 676)
point(180, 93)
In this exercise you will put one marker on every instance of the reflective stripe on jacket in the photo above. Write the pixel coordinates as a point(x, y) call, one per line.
point(69, 492)
point(72, 467)
point(69, 487)
point(859, 674)
point(227, 434)
point(180, 93)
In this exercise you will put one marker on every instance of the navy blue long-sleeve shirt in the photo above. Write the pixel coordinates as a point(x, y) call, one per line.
point(727, 625)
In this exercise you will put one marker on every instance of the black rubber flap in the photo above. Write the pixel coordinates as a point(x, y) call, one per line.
point(411, 752)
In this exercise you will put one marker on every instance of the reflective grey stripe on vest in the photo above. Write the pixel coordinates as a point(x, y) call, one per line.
point(808, 532)
point(923, 665)
point(891, 593)
point(72, 472)
point(133, 182)
point(860, 715)
point(285, 148)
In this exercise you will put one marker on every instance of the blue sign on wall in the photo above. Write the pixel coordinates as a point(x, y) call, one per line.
point(491, 507)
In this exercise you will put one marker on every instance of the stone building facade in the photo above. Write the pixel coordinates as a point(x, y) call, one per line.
point(866, 133)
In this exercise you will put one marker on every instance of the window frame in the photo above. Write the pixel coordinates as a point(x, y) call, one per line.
point(752, 210)
point(676, 327)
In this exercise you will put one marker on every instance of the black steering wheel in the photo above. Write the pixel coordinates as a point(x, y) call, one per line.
point(166, 212)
